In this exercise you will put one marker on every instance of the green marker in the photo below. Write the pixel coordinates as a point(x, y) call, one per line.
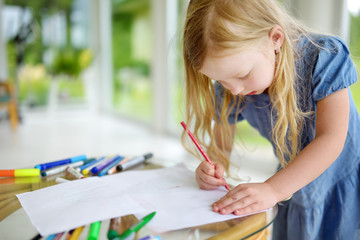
point(94, 231)
point(136, 227)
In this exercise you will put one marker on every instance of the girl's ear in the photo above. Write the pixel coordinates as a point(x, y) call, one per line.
point(276, 36)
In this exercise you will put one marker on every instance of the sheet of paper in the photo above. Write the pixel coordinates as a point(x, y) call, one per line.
point(172, 192)
point(76, 203)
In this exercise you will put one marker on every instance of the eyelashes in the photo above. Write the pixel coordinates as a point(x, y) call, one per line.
point(230, 82)
point(244, 77)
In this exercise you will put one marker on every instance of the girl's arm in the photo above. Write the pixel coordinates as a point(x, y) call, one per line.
point(332, 119)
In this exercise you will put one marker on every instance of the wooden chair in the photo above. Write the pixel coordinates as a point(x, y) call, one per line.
point(8, 101)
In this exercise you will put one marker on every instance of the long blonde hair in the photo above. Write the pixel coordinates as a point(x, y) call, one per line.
point(207, 28)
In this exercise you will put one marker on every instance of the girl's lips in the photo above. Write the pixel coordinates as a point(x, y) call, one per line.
point(252, 93)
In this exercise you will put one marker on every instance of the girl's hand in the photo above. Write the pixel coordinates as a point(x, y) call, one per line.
point(208, 177)
point(246, 198)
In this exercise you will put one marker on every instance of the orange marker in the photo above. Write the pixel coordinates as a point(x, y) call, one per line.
point(20, 172)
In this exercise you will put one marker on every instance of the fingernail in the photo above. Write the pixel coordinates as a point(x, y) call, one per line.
point(215, 207)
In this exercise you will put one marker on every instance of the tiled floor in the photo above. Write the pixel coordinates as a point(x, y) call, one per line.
point(44, 137)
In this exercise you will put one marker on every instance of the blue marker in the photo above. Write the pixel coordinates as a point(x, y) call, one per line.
point(51, 237)
point(60, 162)
point(110, 166)
point(90, 163)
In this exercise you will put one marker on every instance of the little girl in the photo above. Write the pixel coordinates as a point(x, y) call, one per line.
point(249, 60)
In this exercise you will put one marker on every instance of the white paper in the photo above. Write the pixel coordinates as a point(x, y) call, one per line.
point(172, 192)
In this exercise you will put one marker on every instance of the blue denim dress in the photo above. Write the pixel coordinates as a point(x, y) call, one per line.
point(328, 207)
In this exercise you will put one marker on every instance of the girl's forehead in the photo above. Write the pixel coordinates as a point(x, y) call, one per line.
point(228, 58)
point(227, 66)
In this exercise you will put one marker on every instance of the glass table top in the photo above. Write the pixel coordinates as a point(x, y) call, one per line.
point(12, 215)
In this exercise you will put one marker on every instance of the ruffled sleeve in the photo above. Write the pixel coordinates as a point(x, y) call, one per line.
point(334, 69)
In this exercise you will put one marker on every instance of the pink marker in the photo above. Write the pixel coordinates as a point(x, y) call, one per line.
point(201, 150)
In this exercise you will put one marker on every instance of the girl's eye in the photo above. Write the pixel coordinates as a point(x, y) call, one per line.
point(244, 77)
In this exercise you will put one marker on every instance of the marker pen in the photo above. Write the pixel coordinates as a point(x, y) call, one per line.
point(133, 162)
point(58, 236)
point(110, 166)
point(60, 168)
point(32, 172)
point(55, 236)
point(104, 164)
point(38, 236)
point(94, 231)
point(131, 236)
point(130, 233)
point(51, 237)
point(19, 180)
point(76, 233)
point(88, 168)
point(149, 237)
point(45, 166)
point(114, 228)
point(113, 169)
point(74, 173)
point(90, 163)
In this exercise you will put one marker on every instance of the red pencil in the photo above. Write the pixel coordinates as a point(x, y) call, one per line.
point(201, 149)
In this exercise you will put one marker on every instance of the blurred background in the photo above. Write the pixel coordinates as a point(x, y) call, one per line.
point(101, 77)
point(69, 62)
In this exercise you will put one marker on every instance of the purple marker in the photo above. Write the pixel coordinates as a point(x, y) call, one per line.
point(101, 166)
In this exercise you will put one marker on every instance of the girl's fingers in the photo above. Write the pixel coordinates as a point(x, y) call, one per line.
point(209, 177)
point(237, 206)
point(247, 210)
point(205, 186)
point(208, 182)
point(219, 171)
point(208, 169)
point(205, 168)
point(231, 197)
point(245, 199)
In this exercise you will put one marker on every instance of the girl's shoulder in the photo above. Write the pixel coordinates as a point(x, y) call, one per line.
point(324, 62)
point(315, 44)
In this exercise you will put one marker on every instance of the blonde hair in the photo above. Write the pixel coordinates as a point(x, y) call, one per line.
point(207, 28)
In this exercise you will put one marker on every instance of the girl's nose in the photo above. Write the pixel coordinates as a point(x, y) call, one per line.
point(236, 89)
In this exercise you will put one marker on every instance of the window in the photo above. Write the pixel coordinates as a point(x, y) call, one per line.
point(132, 54)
